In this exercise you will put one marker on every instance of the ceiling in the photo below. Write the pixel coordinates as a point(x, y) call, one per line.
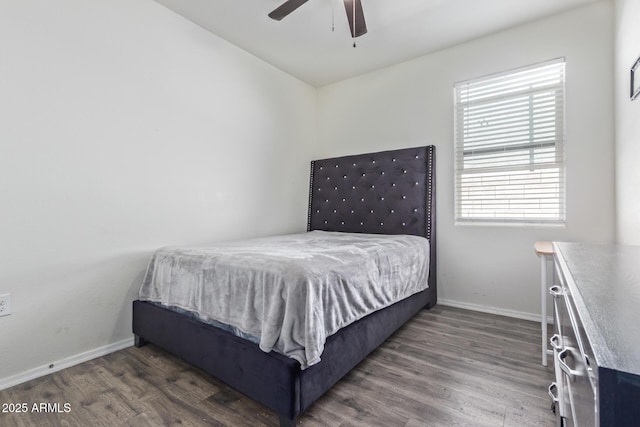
point(303, 44)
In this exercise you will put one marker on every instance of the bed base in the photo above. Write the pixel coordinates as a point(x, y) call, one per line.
point(391, 192)
point(272, 379)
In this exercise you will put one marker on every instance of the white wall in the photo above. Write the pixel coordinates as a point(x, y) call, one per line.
point(627, 50)
point(125, 128)
point(410, 104)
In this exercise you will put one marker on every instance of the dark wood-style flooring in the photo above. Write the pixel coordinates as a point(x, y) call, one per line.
point(446, 367)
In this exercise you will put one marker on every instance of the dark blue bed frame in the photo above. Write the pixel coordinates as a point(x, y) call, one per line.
point(390, 192)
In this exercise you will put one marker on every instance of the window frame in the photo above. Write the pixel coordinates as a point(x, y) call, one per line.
point(558, 142)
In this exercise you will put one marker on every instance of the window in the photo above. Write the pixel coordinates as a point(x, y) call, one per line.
point(509, 146)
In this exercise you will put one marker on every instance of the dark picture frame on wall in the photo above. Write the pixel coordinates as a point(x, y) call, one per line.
point(635, 82)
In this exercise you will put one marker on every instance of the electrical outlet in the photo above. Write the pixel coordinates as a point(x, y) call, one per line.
point(5, 305)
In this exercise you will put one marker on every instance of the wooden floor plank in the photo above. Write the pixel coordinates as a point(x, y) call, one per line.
point(446, 367)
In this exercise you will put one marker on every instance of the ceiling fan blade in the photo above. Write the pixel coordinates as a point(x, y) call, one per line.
point(286, 8)
point(360, 25)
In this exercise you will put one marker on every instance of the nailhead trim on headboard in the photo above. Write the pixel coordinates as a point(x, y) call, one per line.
point(310, 197)
point(388, 192)
point(429, 200)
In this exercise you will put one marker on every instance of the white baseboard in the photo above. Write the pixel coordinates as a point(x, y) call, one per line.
point(63, 364)
point(493, 310)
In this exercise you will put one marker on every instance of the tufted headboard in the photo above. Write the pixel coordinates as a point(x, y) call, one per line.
point(389, 192)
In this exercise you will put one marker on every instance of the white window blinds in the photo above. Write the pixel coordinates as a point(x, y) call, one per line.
point(509, 146)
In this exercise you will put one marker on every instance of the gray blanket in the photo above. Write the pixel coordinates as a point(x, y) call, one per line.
point(290, 292)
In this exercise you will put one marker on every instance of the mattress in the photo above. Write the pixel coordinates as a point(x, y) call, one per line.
point(291, 292)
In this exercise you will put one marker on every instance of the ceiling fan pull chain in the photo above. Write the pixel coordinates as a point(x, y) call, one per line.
point(333, 15)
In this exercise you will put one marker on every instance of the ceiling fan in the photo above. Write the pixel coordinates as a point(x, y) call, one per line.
point(353, 8)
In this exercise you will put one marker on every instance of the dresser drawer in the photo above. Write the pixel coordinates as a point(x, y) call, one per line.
point(576, 374)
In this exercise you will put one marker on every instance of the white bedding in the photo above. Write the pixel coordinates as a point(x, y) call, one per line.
point(290, 292)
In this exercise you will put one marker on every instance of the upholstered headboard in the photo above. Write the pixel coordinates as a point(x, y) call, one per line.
point(389, 192)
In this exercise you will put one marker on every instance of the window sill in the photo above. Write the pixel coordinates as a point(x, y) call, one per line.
point(510, 224)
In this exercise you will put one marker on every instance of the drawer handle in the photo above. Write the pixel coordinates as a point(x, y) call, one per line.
point(555, 291)
point(554, 396)
point(553, 386)
point(571, 373)
point(555, 342)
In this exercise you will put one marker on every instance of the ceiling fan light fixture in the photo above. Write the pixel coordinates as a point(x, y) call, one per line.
point(355, 15)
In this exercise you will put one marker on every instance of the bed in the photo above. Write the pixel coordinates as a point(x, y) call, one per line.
point(385, 193)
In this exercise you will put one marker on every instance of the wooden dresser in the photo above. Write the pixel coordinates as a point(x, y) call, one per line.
point(596, 335)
